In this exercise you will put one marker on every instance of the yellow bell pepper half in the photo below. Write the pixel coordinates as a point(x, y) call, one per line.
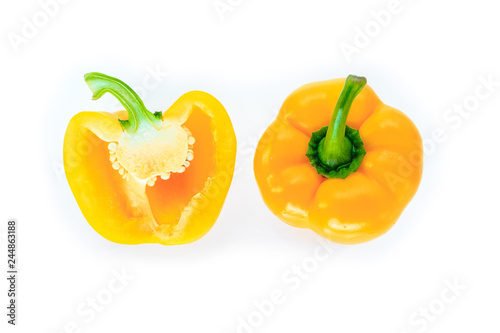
point(142, 177)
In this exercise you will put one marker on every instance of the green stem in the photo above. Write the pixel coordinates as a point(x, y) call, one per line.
point(336, 149)
point(138, 115)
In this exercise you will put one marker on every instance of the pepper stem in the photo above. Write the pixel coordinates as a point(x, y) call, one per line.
point(336, 149)
point(138, 115)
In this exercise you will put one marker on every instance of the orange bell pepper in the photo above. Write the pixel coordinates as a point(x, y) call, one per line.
point(140, 177)
point(341, 165)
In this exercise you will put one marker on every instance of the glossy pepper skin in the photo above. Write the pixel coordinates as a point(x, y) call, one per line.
point(140, 177)
point(347, 207)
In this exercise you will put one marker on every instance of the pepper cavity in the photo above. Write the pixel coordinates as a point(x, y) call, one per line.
point(149, 154)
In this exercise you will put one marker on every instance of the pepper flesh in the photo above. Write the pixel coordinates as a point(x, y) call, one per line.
point(177, 208)
point(368, 202)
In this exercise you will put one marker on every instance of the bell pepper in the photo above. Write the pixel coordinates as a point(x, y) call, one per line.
point(142, 177)
point(338, 161)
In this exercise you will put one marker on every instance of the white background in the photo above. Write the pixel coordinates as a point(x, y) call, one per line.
point(428, 58)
